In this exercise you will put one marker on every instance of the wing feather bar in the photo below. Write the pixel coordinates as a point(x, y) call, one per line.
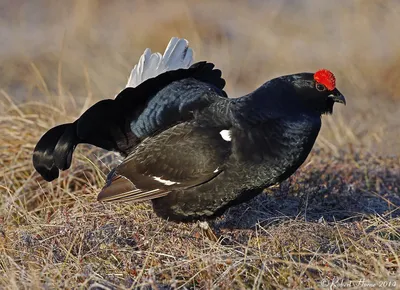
point(122, 189)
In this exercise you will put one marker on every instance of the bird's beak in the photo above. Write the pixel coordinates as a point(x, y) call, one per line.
point(338, 97)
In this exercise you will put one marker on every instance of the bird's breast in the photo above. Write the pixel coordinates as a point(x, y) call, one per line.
point(270, 152)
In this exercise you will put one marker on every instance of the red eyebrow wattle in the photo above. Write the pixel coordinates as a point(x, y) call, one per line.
point(326, 78)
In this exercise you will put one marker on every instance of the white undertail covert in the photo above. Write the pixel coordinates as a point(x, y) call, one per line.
point(177, 55)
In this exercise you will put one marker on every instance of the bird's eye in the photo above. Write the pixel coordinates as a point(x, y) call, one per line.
point(320, 87)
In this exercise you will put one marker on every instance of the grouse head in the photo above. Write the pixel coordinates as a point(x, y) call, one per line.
point(317, 91)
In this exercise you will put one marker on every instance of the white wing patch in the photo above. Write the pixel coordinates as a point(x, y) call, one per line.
point(164, 181)
point(177, 55)
point(226, 135)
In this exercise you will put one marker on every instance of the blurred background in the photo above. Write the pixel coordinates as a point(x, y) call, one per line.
point(70, 54)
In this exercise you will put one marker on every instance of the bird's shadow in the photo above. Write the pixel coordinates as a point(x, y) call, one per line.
point(330, 193)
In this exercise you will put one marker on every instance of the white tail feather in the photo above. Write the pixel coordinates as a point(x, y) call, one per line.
point(177, 55)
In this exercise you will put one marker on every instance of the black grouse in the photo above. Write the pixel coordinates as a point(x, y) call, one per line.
point(189, 148)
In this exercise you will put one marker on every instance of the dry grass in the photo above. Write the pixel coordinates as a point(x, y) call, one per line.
point(336, 222)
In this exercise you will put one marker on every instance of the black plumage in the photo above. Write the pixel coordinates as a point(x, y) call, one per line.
point(190, 149)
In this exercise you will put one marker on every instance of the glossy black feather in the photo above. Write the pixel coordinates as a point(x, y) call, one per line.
point(43, 157)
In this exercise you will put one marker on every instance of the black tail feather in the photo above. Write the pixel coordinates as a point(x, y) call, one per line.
point(43, 155)
point(64, 148)
point(102, 125)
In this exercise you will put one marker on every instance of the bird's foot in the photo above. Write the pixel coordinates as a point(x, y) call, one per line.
point(207, 231)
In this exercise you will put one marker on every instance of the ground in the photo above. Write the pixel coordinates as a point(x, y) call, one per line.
point(335, 221)
point(334, 224)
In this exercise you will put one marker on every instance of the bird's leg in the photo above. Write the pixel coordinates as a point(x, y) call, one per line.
point(208, 232)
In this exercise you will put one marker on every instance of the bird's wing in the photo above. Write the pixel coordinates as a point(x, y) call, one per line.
point(183, 156)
